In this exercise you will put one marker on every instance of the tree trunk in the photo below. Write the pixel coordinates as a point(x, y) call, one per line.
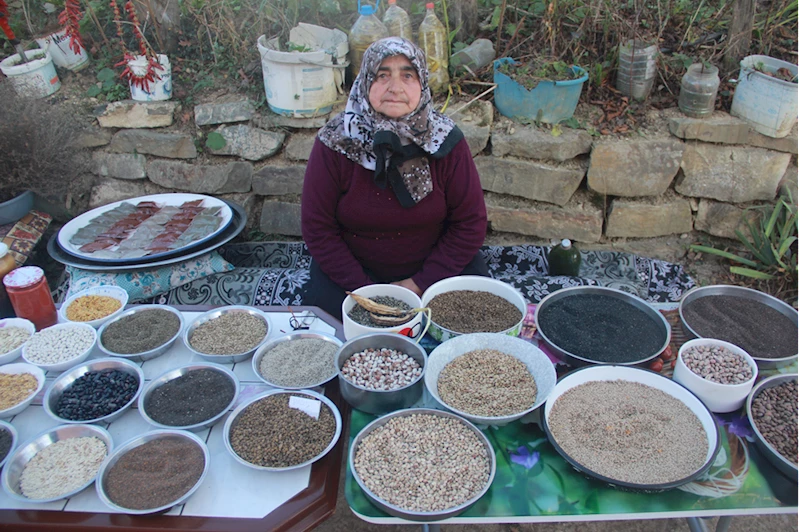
point(463, 17)
point(739, 36)
point(164, 16)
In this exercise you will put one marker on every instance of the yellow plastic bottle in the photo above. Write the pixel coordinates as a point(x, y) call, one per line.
point(366, 30)
point(433, 41)
point(397, 21)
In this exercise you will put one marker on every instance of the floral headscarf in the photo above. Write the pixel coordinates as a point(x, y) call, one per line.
point(397, 149)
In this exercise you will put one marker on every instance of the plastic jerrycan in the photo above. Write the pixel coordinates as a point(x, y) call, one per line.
point(366, 30)
point(397, 21)
point(433, 41)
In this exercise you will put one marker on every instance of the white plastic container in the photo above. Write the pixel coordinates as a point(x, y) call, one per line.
point(768, 104)
point(35, 79)
point(353, 329)
point(57, 45)
point(160, 89)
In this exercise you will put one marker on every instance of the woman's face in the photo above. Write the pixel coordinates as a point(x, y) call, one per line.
point(396, 90)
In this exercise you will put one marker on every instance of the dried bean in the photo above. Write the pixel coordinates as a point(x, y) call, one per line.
point(96, 394)
point(718, 364)
point(774, 413)
point(381, 369)
point(58, 344)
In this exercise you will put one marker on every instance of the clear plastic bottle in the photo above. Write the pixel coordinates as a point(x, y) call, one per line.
point(564, 259)
point(475, 56)
point(397, 21)
point(366, 30)
point(637, 68)
point(698, 90)
point(433, 41)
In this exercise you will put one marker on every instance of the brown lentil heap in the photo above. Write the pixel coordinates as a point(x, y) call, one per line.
point(15, 388)
point(62, 467)
point(12, 337)
point(229, 334)
point(88, 308)
point(487, 382)
point(774, 413)
point(269, 433)
point(469, 311)
point(423, 462)
point(629, 432)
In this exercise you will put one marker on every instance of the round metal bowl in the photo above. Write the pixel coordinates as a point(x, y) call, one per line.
point(379, 401)
point(12, 470)
point(144, 355)
point(16, 369)
point(290, 337)
point(14, 437)
point(780, 462)
point(573, 359)
point(111, 461)
point(641, 376)
point(746, 293)
point(66, 379)
point(212, 315)
point(173, 374)
point(411, 515)
point(308, 393)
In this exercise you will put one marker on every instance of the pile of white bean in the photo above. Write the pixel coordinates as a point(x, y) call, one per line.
point(59, 344)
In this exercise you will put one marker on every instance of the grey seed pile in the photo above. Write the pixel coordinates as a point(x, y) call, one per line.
point(381, 369)
point(628, 432)
point(52, 346)
point(487, 382)
point(229, 334)
point(423, 463)
point(302, 362)
point(469, 311)
point(774, 413)
point(11, 338)
point(62, 467)
point(361, 316)
point(718, 364)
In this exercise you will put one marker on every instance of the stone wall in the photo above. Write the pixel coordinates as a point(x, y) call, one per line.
point(678, 176)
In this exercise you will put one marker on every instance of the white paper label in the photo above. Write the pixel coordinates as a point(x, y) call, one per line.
point(311, 407)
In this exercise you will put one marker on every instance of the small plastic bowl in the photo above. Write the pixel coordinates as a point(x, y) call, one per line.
point(14, 437)
point(12, 355)
point(66, 379)
point(216, 313)
point(17, 369)
point(66, 364)
point(291, 337)
point(353, 328)
point(144, 355)
point(718, 398)
point(109, 291)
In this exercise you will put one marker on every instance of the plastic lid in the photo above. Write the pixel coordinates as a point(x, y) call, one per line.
point(430, 5)
point(3, 250)
point(392, 2)
point(23, 277)
point(566, 243)
point(367, 9)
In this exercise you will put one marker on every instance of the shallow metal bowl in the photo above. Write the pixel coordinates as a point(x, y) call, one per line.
point(212, 315)
point(746, 293)
point(396, 511)
point(573, 359)
point(235, 414)
point(290, 337)
point(380, 401)
point(173, 374)
point(66, 379)
point(780, 462)
point(144, 355)
point(14, 437)
point(111, 461)
point(12, 471)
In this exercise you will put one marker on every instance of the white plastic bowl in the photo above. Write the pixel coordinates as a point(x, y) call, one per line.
point(110, 291)
point(353, 329)
point(61, 366)
point(719, 398)
point(16, 369)
point(12, 355)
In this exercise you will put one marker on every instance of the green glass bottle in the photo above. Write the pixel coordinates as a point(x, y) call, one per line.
point(564, 259)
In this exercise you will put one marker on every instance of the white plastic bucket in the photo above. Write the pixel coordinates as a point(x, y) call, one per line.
point(768, 104)
point(160, 89)
point(57, 45)
point(303, 84)
point(35, 79)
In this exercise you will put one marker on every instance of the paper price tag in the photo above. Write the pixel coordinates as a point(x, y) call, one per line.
point(312, 407)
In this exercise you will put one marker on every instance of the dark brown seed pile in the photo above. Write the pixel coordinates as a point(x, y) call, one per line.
point(190, 399)
point(269, 433)
point(5, 443)
point(141, 331)
point(361, 316)
point(775, 414)
point(470, 311)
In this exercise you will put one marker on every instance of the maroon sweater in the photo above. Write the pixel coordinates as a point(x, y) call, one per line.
point(349, 223)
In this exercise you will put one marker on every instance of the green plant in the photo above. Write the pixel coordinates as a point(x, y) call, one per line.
point(107, 87)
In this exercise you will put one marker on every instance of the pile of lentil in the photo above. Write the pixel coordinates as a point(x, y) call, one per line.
point(89, 308)
point(299, 363)
point(15, 388)
point(758, 329)
point(62, 467)
point(601, 328)
point(629, 432)
point(269, 433)
point(774, 413)
point(5, 442)
point(96, 394)
point(423, 462)
point(381, 369)
point(155, 473)
point(229, 334)
point(189, 399)
point(12, 337)
point(361, 316)
point(487, 382)
point(470, 311)
point(53, 346)
point(718, 364)
point(140, 332)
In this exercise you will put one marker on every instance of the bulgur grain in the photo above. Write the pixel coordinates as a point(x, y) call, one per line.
point(89, 308)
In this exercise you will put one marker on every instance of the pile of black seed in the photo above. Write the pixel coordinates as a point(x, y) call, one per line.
point(5, 442)
point(96, 394)
point(190, 399)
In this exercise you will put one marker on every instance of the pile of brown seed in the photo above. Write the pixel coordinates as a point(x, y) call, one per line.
point(423, 462)
point(470, 311)
point(229, 334)
point(487, 382)
point(775, 414)
point(718, 364)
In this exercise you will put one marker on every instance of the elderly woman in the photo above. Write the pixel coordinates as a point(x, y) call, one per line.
point(391, 194)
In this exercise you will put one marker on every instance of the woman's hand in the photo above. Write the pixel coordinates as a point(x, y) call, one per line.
point(410, 285)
